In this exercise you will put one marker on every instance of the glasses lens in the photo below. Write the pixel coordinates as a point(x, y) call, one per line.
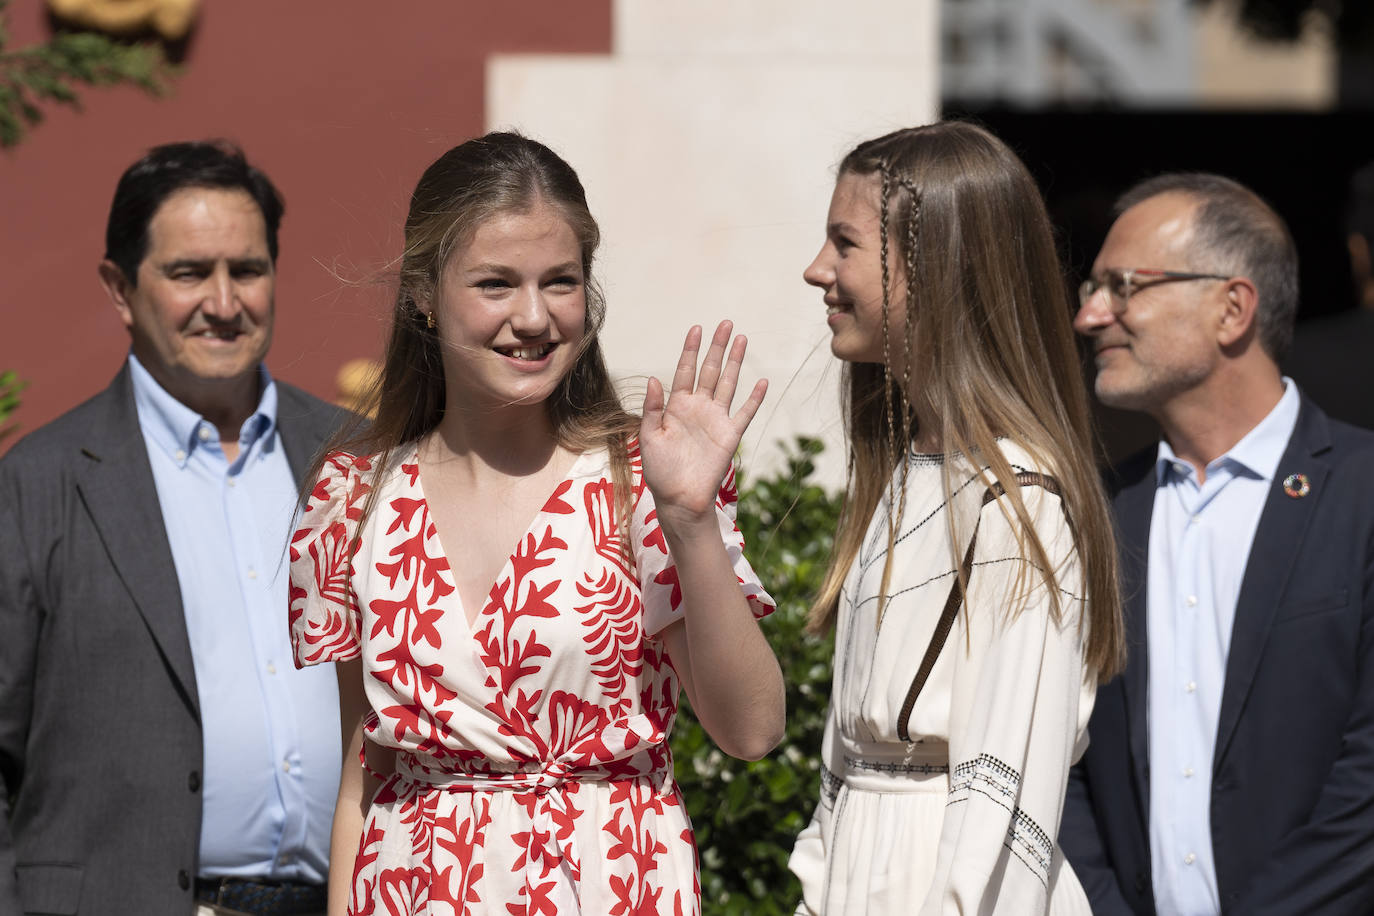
point(1118, 283)
point(1086, 290)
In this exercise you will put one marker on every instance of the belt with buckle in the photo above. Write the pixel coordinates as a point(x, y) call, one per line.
point(262, 898)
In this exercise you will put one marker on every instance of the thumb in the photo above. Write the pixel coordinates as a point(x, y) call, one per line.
point(653, 407)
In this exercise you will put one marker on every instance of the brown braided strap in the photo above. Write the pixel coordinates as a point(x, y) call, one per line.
point(942, 628)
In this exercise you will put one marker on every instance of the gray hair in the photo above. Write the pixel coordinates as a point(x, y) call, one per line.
point(1243, 236)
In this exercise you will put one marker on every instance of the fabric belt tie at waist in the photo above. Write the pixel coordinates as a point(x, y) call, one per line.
point(549, 849)
point(262, 898)
point(553, 871)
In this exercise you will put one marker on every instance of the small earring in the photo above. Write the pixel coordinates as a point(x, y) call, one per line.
point(429, 320)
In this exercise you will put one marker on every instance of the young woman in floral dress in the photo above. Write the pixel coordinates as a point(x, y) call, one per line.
point(516, 577)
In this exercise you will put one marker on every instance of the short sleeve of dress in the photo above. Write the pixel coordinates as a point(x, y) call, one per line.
point(323, 607)
point(658, 581)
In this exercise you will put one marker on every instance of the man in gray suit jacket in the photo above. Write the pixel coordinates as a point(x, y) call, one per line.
point(158, 750)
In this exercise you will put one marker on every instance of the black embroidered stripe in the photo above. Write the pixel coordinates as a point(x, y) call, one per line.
point(999, 783)
point(882, 766)
point(946, 575)
point(865, 563)
point(830, 784)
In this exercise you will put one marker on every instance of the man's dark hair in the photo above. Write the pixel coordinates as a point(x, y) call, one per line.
point(172, 167)
point(1235, 231)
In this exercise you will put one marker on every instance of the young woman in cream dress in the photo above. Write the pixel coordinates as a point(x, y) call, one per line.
point(972, 497)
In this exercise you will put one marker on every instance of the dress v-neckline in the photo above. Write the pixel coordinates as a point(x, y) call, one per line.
point(559, 488)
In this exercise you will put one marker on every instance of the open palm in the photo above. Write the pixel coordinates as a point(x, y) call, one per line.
point(688, 442)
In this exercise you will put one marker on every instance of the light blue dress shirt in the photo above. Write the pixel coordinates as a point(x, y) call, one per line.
point(1200, 537)
point(271, 732)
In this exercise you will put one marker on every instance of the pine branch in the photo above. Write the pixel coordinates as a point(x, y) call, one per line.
point(46, 72)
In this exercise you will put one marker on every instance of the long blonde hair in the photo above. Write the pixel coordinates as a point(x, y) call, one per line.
point(987, 301)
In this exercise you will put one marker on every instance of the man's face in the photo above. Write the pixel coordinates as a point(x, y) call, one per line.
point(201, 312)
point(1163, 342)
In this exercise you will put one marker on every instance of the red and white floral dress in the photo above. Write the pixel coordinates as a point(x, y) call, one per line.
point(533, 772)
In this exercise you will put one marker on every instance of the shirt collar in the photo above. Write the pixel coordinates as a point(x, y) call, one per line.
point(1259, 451)
point(176, 429)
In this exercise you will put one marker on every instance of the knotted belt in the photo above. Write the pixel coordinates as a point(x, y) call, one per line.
point(550, 848)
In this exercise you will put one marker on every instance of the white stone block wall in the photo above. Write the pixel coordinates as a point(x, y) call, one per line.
point(707, 142)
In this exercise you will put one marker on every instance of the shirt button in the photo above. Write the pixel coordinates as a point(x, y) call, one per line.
point(1188, 772)
point(1192, 601)
point(252, 573)
point(204, 433)
point(286, 766)
point(1195, 519)
point(231, 481)
point(1191, 686)
point(271, 668)
point(1189, 859)
point(180, 455)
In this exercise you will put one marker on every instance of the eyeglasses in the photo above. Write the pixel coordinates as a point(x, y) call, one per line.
point(1119, 284)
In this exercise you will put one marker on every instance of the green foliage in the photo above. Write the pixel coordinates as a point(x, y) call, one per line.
point(747, 815)
point(10, 386)
point(44, 73)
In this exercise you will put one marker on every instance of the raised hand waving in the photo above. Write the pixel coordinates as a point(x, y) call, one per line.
point(688, 442)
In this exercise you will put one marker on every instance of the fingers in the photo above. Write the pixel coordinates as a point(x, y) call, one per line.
point(715, 357)
point(686, 372)
point(729, 376)
point(745, 415)
point(719, 376)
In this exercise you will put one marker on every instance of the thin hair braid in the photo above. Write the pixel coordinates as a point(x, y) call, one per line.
point(913, 226)
point(894, 397)
point(883, 203)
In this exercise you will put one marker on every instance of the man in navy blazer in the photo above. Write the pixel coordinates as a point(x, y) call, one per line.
point(1231, 765)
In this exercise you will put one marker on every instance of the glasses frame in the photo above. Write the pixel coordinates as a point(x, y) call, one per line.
point(1127, 282)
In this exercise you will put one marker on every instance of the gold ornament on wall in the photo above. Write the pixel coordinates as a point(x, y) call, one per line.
point(171, 19)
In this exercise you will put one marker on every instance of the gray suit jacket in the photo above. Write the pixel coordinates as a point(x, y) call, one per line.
point(100, 735)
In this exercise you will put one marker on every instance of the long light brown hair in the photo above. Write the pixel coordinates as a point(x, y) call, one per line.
point(989, 345)
point(486, 176)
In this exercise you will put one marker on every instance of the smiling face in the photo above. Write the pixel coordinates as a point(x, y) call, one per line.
point(848, 269)
point(511, 309)
point(201, 312)
point(1164, 342)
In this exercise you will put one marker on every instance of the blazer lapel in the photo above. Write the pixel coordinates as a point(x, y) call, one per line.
point(116, 486)
point(1134, 506)
point(1282, 526)
point(304, 425)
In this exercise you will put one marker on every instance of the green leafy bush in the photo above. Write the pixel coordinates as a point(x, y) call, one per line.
point(10, 386)
point(747, 815)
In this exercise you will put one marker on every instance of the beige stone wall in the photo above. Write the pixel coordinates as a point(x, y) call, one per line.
point(1236, 70)
point(707, 142)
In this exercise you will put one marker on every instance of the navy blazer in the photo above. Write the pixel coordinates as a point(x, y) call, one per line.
point(100, 736)
point(1292, 805)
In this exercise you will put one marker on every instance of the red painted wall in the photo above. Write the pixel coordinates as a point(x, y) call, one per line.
point(342, 103)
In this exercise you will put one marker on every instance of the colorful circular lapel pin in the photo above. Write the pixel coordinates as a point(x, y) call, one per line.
point(1297, 485)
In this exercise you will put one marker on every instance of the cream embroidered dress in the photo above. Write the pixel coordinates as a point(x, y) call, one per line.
point(963, 817)
point(533, 772)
